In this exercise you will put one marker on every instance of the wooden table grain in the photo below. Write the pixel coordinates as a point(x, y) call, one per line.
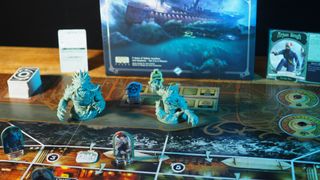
point(47, 59)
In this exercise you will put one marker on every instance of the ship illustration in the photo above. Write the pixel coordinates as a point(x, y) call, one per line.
point(256, 163)
point(162, 12)
point(140, 156)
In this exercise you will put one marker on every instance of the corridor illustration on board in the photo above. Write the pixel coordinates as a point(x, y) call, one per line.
point(245, 131)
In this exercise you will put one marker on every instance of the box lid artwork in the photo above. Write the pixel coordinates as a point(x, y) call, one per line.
point(182, 38)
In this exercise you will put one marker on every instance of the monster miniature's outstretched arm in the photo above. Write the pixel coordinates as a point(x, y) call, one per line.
point(192, 118)
point(62, 107)
point(99, 102)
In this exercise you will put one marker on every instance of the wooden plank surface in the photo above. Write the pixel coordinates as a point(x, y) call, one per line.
point(47, 59)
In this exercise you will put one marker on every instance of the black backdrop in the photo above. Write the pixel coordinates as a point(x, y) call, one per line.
point(35, 22)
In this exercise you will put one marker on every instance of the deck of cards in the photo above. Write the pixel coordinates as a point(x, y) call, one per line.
point(24, 82)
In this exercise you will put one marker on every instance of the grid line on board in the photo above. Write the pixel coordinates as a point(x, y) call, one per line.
point(162, 154)
point(28, 135)
point(33, 161)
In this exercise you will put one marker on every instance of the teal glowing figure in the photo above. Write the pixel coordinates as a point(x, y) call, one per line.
point(86, 97)
point(171, 108)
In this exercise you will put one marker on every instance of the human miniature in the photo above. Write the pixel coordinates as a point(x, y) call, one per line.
point(86, 97)
point(123, 148)
point(171, 108)
point(133, 91)
point(290, 59)
point(13, 142)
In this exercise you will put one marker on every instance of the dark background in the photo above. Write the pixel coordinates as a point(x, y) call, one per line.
point(35, 22)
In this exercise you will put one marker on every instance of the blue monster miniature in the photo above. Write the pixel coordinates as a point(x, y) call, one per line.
point(171, 108)
point(87, 98)
point(133, 92)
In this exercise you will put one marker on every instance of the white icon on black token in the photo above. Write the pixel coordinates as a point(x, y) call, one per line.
point(23, 74)
point(178, 167)
point(52, 157)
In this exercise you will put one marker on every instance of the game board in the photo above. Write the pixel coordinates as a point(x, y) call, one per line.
point(257, 131)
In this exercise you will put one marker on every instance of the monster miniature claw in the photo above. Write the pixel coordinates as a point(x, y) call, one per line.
point(192, 118)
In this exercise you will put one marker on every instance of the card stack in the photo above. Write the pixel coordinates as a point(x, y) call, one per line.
point(24, 82)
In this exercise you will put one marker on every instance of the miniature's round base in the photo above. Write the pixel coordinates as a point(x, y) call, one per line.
point(15, 155)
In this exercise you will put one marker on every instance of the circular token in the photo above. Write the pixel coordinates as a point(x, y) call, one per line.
point(178, 167)
point(300, 125)
point(298, 98)
point(53, 157)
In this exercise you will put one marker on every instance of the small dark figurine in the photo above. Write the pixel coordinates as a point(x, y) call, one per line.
point(42, 174)
point(13, 142)
point(133, 92)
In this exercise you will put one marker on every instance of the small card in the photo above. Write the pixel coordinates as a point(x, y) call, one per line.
point(73, 50)
point(294, 56)
point(191, 103)
point(194, 103)
point(191, 91)
point(201, 92)
point(206, 104)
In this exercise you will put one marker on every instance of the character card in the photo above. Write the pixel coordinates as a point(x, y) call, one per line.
point(183, 38)
point(294, 56)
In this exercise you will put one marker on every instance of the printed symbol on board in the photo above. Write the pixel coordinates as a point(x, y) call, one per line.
point(52, 157)
point(177, 70)
point(178, 167)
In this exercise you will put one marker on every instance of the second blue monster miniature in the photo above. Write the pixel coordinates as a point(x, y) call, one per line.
point(87, 98)
point(172, 107)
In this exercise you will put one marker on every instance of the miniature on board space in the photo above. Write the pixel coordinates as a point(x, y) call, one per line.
point(86, 97)
point(172, 107)
point(13, 142)
point(133, 91)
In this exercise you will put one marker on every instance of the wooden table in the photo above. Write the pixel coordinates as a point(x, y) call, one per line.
point(47, 59)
